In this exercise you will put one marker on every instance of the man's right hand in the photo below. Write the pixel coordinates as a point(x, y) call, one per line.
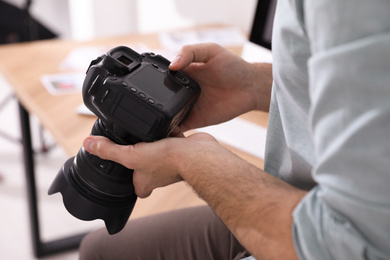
point(230, 85)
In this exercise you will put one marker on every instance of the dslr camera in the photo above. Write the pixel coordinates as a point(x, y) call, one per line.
point(136, 99)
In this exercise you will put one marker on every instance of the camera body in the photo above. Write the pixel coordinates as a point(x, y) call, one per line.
point(138, 93)
point(136, 99)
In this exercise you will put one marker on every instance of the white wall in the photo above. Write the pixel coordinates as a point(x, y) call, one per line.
point(86, 19)
point(100, 18)
point(157, 15)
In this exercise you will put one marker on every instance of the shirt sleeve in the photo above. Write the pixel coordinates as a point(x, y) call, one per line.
point(347, 216)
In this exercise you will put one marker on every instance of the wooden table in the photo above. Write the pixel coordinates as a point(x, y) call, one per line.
point(22, 65)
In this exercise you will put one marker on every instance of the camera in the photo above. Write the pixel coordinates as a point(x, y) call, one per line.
point(136, 99)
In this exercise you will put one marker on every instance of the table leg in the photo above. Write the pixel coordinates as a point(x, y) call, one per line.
point(40, 248)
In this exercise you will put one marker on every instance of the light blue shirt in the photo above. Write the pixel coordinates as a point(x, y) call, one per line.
point(329, 124)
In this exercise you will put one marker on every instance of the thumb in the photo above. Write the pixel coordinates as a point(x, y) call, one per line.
point(108, 150)
point(198, 53)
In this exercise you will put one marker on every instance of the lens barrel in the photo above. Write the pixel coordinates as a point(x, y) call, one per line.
point(93, 188)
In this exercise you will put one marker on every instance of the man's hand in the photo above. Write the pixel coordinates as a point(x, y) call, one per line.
point(230, 86)
point(155, 164)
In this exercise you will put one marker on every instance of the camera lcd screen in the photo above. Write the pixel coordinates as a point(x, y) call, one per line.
point(155, 84)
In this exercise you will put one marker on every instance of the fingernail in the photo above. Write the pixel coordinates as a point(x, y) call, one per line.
point(88, 145)
point(176, 60)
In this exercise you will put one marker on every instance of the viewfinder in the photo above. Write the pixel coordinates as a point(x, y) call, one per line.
point(124, 60)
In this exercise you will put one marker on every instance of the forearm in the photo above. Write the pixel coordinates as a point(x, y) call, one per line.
point(254, 205)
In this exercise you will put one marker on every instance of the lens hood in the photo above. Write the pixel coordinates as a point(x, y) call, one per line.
point(83, 205)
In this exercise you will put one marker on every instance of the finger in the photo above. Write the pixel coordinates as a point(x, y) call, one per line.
point(140, 188)
point(201, 136)
point(108, 150)
point(177, 132)
point(194, 53)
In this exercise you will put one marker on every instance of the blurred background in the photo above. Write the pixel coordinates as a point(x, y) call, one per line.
point(78, 20)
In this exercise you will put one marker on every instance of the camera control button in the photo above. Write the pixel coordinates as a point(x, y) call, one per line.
point(180, 77)
point(159, 106)
point(151, 101)
point(124, 83)
point(142, 95)
point(103, 164)
point(133, 89)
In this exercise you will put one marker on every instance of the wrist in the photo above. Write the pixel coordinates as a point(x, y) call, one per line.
point(194, 156)
point(260, 81)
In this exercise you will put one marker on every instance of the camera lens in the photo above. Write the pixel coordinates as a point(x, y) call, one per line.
point(93, 188)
